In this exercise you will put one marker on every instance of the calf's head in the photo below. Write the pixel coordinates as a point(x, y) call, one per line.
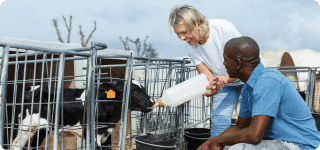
point(140, 100)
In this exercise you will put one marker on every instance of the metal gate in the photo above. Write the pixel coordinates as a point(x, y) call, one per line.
point(25, 69)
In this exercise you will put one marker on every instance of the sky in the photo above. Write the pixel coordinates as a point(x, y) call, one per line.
point(274, 24)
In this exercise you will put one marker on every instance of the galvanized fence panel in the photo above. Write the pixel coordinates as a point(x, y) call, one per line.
point(315, 89)
point(157, 76)
point(110, 69)
point(25, 113)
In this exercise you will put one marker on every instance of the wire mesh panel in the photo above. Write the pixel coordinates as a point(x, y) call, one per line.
point(198, 110)
point(315, 89)
point(157, 75)
point(113, 95)
point(40, 107)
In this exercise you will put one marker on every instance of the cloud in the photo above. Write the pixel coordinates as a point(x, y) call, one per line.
point(1, 1)
point(317, 1)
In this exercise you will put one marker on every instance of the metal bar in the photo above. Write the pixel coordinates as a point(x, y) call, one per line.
point(59, 95)
point(40, 60)
point(92, 100)
point(88, 100)
point(32, 101)
point(41, 85)
point(182, 107)
point(23, 91)
point(49, 102)
point(98, 44)
point(308, 100)
point(33, 54)
point(34, 48)
point(123, 65)
point(291, 67)
point(126, 98)
point(141, 58)
point(292, 71)
point(312, 88)
point(146, 78)
point(14, 101)
point(161, 59)
point(4, 78)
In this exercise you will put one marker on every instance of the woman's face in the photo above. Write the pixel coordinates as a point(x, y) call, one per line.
point(185, 35)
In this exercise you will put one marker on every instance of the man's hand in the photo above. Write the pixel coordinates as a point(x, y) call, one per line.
point(215, 146)
point(210, 144)
point(205, 145)
point(223, 80)
point(215, 84)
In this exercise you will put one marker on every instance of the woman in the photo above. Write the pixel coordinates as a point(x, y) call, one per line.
point(205, 42)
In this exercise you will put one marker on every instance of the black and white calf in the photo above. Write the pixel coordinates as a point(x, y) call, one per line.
point(108, 112)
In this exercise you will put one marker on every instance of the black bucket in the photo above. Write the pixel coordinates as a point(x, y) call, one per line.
point(155, 142)
point(196, 136)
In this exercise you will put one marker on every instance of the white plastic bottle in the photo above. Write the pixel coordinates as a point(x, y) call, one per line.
point(185, 91)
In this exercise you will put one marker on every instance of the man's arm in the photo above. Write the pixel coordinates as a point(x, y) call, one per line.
point(241, 124)
point(252, 134)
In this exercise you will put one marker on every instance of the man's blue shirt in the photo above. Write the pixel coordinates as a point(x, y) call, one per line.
point(268, 92)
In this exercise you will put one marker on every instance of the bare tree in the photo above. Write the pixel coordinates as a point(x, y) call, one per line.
point(125, 43)
point(151, 51)
point(148, 49)
point(58, 32)
point(83, 43)
point(68, 27)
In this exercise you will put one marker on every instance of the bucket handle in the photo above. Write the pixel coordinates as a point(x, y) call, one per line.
point(197, 138)
point(154, 144)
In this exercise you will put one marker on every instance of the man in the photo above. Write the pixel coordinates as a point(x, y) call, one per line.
point(272, 113)
point(205, 41)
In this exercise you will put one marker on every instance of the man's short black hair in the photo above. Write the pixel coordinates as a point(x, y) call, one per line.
point(244, 48)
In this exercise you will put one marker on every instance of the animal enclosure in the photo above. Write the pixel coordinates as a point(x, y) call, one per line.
point(32, 95)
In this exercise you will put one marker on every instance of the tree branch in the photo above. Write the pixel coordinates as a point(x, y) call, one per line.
point(144, 45)
point(138, 46)
point(57, 29)
point(125, 43)
point(68, 27)
point(95, 27)
point(82, 36)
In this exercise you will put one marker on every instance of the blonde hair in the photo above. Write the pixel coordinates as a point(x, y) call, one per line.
point(189, 16)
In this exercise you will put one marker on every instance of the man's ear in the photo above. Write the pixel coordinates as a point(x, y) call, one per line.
point(239, 63)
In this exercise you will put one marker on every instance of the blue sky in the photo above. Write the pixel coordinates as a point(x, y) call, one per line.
point(274, 24)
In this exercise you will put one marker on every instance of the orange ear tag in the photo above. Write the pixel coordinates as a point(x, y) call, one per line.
point(111, 94)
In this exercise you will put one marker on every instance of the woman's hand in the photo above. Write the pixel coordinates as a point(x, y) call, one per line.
point(212, 88)
point(161, 102)
point(215, 85)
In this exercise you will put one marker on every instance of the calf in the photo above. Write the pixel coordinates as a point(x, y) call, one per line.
point(107, 112)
